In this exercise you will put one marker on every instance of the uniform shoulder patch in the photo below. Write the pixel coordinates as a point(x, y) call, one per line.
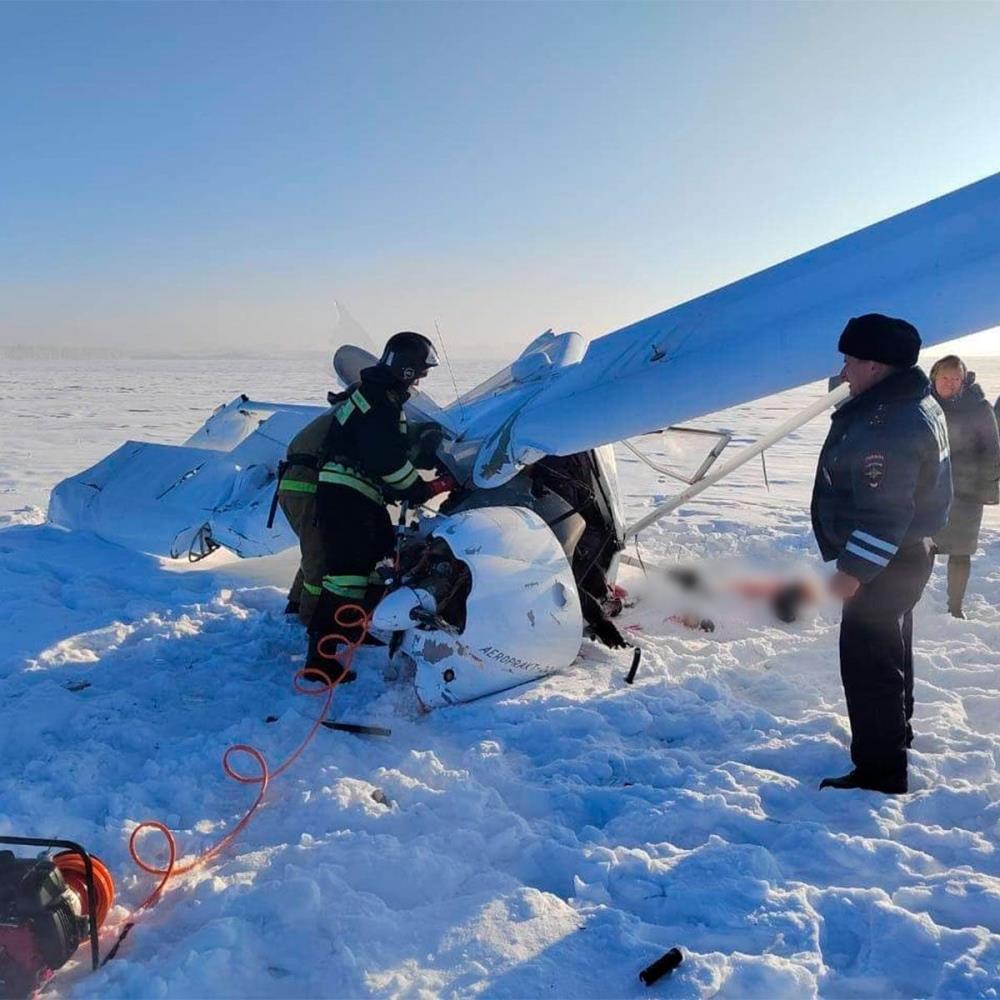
point(873, 468)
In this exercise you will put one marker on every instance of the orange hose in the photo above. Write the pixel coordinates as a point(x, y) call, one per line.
point(74, 873)
point(348, 617)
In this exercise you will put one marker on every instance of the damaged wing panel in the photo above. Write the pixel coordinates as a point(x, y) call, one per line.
point(179, 501)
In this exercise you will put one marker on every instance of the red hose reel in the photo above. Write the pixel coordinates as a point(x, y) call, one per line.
point(48, 907)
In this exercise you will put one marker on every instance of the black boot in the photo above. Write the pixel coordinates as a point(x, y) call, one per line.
point(330, 667)
point(959, 570)
point(855, 779)
point(333, 670)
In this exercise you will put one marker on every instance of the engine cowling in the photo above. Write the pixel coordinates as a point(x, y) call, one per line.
point(522, 616)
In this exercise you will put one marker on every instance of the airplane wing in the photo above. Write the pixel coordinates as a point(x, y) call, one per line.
point(215, 489)
point(937, 266)
point(180, 500)
point(546, 354)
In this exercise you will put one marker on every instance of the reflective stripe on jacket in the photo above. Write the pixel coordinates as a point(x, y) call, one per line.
point(366, 446)
point(884, 475)
point(300, 477)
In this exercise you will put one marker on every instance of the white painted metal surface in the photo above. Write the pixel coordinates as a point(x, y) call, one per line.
point(395, 612)
point(158, 498)
point(935, 265)
point(523, 617)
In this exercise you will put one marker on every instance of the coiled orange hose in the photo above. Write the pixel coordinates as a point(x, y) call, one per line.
point(349, 617)
point(70, 864)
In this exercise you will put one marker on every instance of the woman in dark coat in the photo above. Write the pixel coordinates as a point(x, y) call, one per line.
point(975, 469)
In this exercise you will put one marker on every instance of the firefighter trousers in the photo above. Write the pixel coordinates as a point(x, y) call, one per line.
point(356, 534)
point(299, 508)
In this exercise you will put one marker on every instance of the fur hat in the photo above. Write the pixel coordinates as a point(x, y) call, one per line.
point(874, 337)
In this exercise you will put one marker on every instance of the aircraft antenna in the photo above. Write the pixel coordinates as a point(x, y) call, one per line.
point(451, 371)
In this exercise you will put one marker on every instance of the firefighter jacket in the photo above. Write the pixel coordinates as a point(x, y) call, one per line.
point(366, 447)
point(884, 475)
point(300, 470)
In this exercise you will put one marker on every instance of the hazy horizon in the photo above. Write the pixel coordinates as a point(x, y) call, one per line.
point(981, 345)
point(214, 177)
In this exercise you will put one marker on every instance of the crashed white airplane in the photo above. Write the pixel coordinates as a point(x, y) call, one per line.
point(487, 598)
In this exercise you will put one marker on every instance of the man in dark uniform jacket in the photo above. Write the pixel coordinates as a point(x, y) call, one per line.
point(883, 487)
point(364, 463)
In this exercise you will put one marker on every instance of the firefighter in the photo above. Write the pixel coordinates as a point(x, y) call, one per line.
point(364, 463)
point(883, 488)
point(297, 498)
point(298, 479)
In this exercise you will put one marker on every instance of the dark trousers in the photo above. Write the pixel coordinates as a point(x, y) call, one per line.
point(959, 571)
point(300, 512)
point(876, 665)
point(356, 534)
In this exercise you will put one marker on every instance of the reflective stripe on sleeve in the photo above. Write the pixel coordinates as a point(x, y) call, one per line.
point(875, 543)
point(311, 588)
point(865, 554)
point(403, 478)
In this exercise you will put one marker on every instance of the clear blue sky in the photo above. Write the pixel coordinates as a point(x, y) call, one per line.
point(215, 174)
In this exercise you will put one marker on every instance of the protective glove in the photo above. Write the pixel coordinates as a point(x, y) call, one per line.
point(427, 439)
point(445, 483)
point(607, 633)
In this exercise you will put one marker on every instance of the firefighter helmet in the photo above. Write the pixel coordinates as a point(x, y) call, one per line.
point(408, 356)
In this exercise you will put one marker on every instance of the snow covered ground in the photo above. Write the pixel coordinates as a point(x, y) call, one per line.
point(551, 841)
